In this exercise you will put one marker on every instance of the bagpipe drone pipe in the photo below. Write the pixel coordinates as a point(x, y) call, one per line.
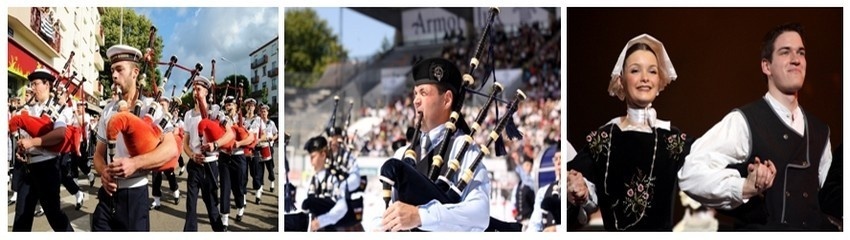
point(413, 187)
point(38, 125)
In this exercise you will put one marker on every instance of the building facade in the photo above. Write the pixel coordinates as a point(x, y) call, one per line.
point(46, 37)
point(264, 71)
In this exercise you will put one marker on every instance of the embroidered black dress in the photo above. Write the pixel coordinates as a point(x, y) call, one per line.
point(635, 175)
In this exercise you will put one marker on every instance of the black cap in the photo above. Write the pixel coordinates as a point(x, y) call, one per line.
point(398, 144)
point(42, 74)
point(315, 144)
point(439, 71)
point(333, 131)
point(229, 99)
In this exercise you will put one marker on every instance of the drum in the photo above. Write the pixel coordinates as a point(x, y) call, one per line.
point(265, 153)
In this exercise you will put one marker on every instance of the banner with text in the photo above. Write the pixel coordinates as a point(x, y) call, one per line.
point(424, 24)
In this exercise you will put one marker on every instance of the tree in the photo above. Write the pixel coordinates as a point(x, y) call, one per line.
point(309, 46)
point(136, 32)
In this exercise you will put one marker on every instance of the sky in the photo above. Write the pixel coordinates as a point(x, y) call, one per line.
point(361, 35)
point(202, 34)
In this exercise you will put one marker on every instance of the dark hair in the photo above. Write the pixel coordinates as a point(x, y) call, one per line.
point(634, 48)
point(770, 38)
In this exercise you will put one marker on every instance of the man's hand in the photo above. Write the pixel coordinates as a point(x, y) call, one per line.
point(122, 167)
point(759, 178)
point(552, 228)
point(401, 216)
point(208, 147)
point(198, 158)
point(576, 188)
point(108, 183)
point(26, 143)
point(314, 225)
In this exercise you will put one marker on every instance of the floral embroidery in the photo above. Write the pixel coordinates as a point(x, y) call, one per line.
point(638, 194)
point(676, 145)
point(598, 143)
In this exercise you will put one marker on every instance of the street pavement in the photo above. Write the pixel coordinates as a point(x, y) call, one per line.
point(170, 217)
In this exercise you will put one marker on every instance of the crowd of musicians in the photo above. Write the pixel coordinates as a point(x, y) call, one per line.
point(220, 143)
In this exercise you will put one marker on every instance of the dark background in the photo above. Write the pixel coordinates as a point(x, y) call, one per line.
point(716, 53)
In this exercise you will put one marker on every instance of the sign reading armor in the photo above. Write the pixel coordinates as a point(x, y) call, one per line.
point(423, 24)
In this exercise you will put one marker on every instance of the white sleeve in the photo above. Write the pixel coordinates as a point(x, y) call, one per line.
point(825, 162)
point(535, 221)
point(704, 176)
point(337, 211)
point(472, 213)
point(66, 117)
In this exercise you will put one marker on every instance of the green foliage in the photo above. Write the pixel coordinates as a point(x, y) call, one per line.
point(136, 33)
point(309, 46)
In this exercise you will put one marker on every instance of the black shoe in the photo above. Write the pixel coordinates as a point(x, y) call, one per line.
point(39, 213)
point(79, 205)
point(272, 189)
point(177, 201)
point(238, 218)
point(257, 201)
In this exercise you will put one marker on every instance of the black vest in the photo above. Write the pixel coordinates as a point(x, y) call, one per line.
point(551, 203)
point(424, 164)
point(524, 201)
point(792, 202)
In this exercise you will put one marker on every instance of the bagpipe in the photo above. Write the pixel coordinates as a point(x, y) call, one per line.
point(415, 187)
point(320, 195)
point(239, 129)
point(37, 125)
point(213, 121)
point(141, 131)
point(341, 158)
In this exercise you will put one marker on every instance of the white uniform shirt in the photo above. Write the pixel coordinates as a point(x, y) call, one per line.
point(190, 125)
point(340, 207)
point(139, 178)
point(704, 175)
point(39, 154)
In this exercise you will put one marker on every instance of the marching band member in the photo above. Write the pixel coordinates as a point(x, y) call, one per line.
point(39, 171)
point(324, 201)
point(253, 124)
point(269, 137)
point(546, 217)
point(522, 195)
point(232, 166)
point(169, 175)
point(436, 94)
point(80, 161)
point(203, 170)
point(123, 195)
point(350, 222)
point(70, 158)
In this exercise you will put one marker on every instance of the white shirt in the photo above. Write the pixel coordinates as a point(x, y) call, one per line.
point(139, 178)
point(40, 154)
point(704, 175)
point(253, 124)
point(269, 127)
point(191, 119)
